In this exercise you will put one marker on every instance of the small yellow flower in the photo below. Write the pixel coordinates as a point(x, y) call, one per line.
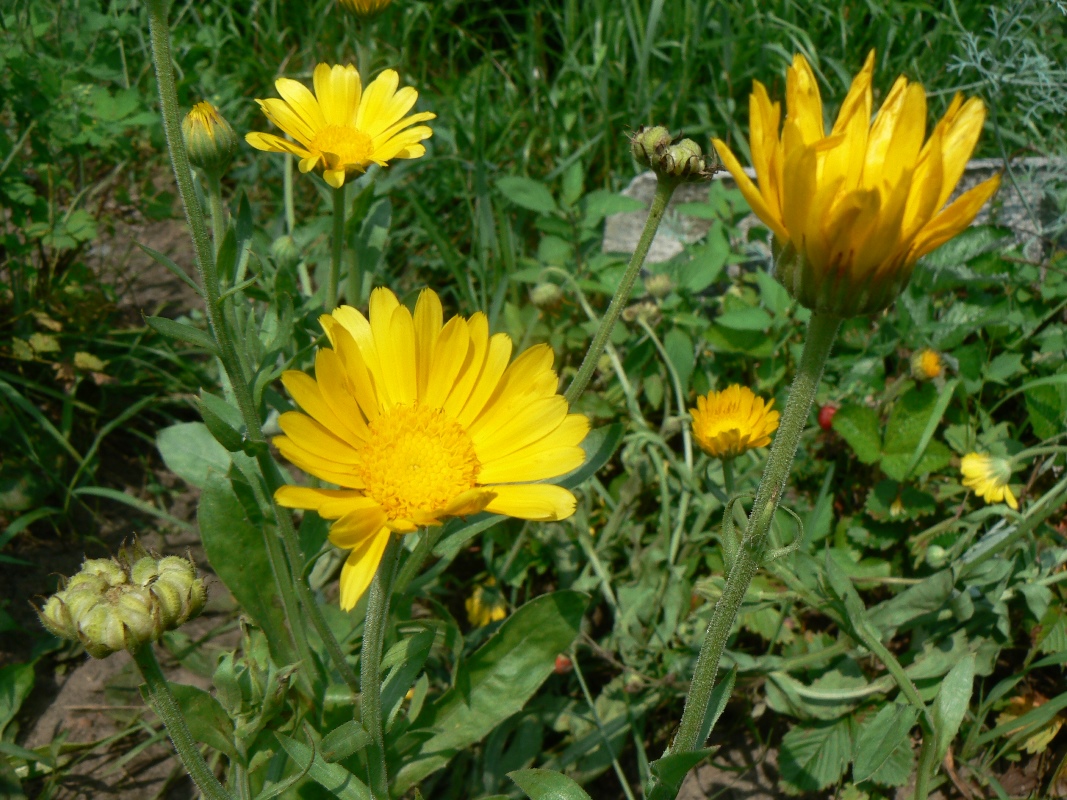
point(342, 128)
point(927, 364)
point(853, 210)
point(419, 420)
point(727, 423)
point(486, 604)
point(989, 477)
point(364, 8)
point(209, 139)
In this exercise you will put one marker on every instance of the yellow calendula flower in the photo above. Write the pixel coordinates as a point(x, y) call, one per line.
point(486, 604)
point(364, 8)
point(853, 209)
point(927, 364)
point(727, 423)
point(989, 477)
point(419, 420)
point(343, 128)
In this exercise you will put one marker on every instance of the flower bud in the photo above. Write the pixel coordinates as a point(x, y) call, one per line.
point(643, 311)
point(675, 158)
point(125, 602)
point(649, 144)
point(659, 285)
point(546, 295)
point(209, 139)
point(927, 364)
point(285, 252)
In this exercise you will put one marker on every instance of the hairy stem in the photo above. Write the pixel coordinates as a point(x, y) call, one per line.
point(337, 246)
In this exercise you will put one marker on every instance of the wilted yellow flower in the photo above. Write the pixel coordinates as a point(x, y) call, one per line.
point(209, 139)
point(926, 364)
point(852, 211)
point(988, 476)
point(418, 421)
point(727, 423)
point(341, 128)
point(364, 8)
point(486, 604)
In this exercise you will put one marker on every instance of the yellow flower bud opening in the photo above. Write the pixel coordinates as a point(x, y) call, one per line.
point(852, 210)
point(209, 139)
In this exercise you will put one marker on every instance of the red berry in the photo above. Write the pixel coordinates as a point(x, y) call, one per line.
point(563, 665)
point(826, 416)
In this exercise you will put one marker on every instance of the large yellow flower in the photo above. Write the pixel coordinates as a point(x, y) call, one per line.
point(853, 210)
point(416, 421)
point(341, 128)
point(727, 423)
point(989, 477)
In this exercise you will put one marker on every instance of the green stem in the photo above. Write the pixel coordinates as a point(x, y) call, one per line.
point(413, 563)
point(820, 337)
point(370, 661)
point(664, 189)
point(927, 764)
point(287, 195)
point(166, 707)
point(206, 267)
point(728, 476)
point(337, 246)
point(218, 213)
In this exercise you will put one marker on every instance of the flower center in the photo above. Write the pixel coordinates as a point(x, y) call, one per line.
point(417, 459)
point(348, 145)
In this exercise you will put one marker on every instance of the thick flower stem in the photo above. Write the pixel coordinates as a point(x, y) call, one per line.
point(209, 280)
point(218, 211)
point(370, 661)
point(337, 247)
point(166, 707)
point(820, 337)
point(664, 189)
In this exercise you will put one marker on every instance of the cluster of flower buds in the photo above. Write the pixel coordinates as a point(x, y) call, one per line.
point(672, 156)
point(123, 603)
point(209, 139)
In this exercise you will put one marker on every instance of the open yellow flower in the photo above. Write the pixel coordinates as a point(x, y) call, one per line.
point(727, 423)
point(417, 421)
point(927, 364)
point(342, 128)
point(854, 209)
point(989, 477)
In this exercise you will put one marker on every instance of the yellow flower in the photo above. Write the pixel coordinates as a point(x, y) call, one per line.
point(727, 423)
point(209, 139)
point(486, 604)
point(342, 128)
point(926, 364)
point(852, 211)
point(988, 476)
point(417, 421)
point(364, 8)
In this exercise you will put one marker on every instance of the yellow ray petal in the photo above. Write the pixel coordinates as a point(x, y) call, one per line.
point(533, 464)
point(329, 503)
point(487, 380)
point(954, 218)
point(275, 144)
point(505, 434)
point(543, 502)
point(429, 317)
point(336, 383)
point(312, 465)
point(450, 354)
point(803, 102)
point(317, 439)
point(359, 568)
point(338, 90)
point(749, 191)
point(377, 95)
point(302, 101)
point(281, 114)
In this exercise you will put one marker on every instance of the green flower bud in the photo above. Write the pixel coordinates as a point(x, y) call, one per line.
point(679, 159)
point(285, 252)
point(209, 139)
point(56, 617)
point(936, 556)
point(649, 144)
point(659, 285)
point(645, 310)
point(546, 295)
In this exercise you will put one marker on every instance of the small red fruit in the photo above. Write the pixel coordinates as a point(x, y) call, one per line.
point(826, 416)
point(563, 665)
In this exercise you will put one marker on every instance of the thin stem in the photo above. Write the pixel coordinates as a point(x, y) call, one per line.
point(820, 337)
point(370, 661)
point(927, 764)
point(166, 707)
point(218, 213)
point(337, 246)
point(413, 563)
point(728, 476)
point(664, 189)
point(287, 195)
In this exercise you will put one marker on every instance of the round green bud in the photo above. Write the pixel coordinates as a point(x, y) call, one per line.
point(936, 556)
point(659, 285)
point(649, 144)
point(285, 252)
point(546, 295)
point(209, 139)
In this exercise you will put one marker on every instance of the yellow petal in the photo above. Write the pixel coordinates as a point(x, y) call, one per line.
point(539, 501)
point(359, 568)
point(281, 114)
point(375, 99)
point(960, 139)
point(336, 383)
point(429, 317)
point(275, 144)
point(302, 101)
point(803, 102)
point(487, 380)
point(473, 362)
point(317, 440)
point(334, 177)
point(397, 351)
point(533, 464)
point(954, 218)
point(313, 465)
point(749, 191)
point(450, 354)
point(329, 503)
point(338, 90)
point(509, 433)
point(353, 367)
point(305, 391)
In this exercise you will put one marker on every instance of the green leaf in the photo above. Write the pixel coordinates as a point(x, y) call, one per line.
point(911, 424)
point(679, 349)
point(192, 453)
point(1046, 406)
point(496, 682)
point(527, 193)
point(207, 720)
point(337, 780)
point(224, 433)
point(859, 426)
point(236, 551)
point(671, 770)
point(344, 741)
point(173, 268)
point(599, 445)
point(814, 756)
point(745, 319)
point(880, 736)
point(183, 332)
point(544, 784)
point(950, 705)
point(16, 682)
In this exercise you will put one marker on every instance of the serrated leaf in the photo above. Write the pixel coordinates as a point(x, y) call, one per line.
point(545, 784)
point(814, 756)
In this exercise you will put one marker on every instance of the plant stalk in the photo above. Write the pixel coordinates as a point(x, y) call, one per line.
point(337, 247)
point(664, 189)
point(822, 330)
point(166, 707)
point(370, 661)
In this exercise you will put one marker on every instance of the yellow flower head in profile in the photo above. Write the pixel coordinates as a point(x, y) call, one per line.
point(852, 210)
point(343, 128)
point(364, 8)
point(417, 420)
point(989, 477)
point(209, 140)
point(727, 423)
point(486, 604)
point(927, 364)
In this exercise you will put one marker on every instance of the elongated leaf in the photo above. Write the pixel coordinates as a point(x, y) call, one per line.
point(496, 682)
point(671, 770)
point(544, 784)
point(182, 332)
point(599, 445)
point(951, 703)
point(879, 737)
point(527, 192)
point(16, 681)
point(342, 742)
point(337, 780)
point(192, 453)
point(207, 721)
point(173, 268)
